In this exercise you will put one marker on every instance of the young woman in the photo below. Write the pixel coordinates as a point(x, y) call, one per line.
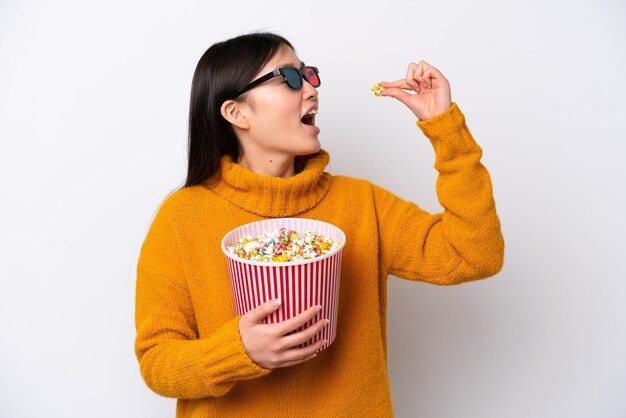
point(254, 153)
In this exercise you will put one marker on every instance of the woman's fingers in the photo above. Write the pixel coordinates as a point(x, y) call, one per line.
point(305, 335)
point(411, 77)
point(300, 355)
point(424, 90)
point(432, 76)
point(399, 84)
point(418, 75)
point(397, 93)
point(297, 321)
point(276, 345)
point(258, 314)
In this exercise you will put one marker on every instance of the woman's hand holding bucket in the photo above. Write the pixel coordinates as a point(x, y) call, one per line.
point(272, 345)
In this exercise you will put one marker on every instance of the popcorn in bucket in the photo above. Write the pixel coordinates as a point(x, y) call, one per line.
point(258, 270)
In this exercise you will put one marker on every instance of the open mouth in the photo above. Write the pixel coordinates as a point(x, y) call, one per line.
point(309, 118)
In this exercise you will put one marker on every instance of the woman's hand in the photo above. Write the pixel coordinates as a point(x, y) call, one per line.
point(432, 90)
point(269, 346)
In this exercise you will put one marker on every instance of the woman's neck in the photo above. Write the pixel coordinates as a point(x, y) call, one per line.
point(275, 165)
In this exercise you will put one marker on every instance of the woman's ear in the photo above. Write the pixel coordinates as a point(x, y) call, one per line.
point(234, 113)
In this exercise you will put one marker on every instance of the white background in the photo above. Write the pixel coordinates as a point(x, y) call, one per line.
point(93, 107)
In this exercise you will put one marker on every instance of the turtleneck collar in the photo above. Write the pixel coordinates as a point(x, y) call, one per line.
point(273, 197)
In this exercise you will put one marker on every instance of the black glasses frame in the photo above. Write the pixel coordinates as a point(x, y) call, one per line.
point(282, 71)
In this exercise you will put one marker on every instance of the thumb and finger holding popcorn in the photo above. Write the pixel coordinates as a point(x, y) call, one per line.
point(418, 75)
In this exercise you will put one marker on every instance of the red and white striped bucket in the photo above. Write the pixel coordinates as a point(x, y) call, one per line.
point(298, 284)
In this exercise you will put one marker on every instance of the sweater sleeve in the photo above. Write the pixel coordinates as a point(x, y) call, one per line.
point(464, 242)
point(173, 361)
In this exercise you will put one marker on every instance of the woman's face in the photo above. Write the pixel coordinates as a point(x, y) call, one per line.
point(276, 111)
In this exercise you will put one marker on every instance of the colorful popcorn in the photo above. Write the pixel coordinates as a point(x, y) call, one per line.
point(283, 245)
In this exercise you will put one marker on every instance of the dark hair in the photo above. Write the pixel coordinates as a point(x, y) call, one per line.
point(225, 68)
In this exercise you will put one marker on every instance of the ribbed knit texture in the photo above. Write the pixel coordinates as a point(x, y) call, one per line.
point(188, 343)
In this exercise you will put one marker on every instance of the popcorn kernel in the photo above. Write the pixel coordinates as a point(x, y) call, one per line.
point(377, 89)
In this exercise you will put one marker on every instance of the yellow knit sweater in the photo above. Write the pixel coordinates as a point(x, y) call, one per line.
point(188, 343)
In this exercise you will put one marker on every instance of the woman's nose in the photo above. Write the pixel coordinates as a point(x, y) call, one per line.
point(308, 90)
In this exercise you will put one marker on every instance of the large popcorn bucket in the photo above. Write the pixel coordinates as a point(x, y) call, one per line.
point(298, 284)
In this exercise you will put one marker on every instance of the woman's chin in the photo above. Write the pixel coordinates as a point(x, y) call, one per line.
point(315, 146)
point(308, 144)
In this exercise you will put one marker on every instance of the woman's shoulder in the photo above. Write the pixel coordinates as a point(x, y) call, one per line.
point(183, 199)
point(349, 181)
point(354, 189)
point(178, 196)
point(360, 188)
point(357, 184)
